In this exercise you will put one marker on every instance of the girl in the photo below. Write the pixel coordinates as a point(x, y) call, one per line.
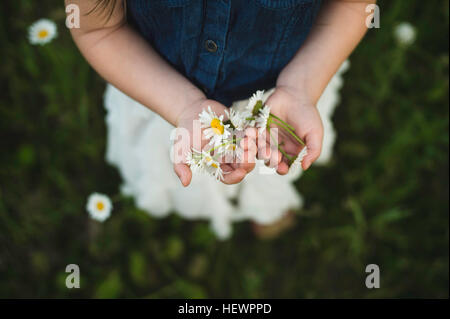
point(176, 57)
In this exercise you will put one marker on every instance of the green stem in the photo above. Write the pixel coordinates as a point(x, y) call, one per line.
point(276, 117)
point(279, 147)
point(290, 132)
point(258, 106)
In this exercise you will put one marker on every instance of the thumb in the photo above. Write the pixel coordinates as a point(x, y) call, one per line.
point(184, 173)
point(314, 144)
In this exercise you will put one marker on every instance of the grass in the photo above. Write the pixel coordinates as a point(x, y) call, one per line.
point(383, 199)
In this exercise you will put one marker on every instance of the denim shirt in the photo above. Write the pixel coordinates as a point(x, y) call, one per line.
point(228, 48)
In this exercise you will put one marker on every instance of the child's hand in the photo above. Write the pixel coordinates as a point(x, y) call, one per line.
point(233, 172)
point(296, 109)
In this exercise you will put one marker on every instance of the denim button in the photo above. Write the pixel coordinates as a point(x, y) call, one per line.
point(211, 46)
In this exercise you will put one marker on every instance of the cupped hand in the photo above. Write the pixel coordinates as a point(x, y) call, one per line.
point(296, 109)
point(189, 136)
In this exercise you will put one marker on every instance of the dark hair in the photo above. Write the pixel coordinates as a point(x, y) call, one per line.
point(105, 7)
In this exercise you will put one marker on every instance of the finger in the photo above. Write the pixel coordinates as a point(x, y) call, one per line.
point(234, 177)
point(274, 160)
point(283, 167)
point(270, 156)
point(247, 167)
point(249, 155)
point(184, 173)
point(247, 161)
point(265, 146)
point(248, 144)
point(314, 144)
point(251, 132)
point(264, 151)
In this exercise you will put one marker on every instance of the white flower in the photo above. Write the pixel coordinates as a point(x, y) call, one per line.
point(405, 33)
point(99, 207)
point(212, 166)
point(230, 151)
point(215, 130)
point(194, 160)
point(298, 161)
point(42, 32)
point(256, 97)
point(262, 117)
point(239, 119)
point(204, 163)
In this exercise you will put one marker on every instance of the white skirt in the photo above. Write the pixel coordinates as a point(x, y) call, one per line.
point(138, 144)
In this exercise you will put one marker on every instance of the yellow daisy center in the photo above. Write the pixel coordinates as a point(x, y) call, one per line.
point(217, 126)
point(43, 34)
point(214, 165)
point(100, 206)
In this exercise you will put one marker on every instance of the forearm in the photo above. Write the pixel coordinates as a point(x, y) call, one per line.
point(338, 29)
point(127, 61)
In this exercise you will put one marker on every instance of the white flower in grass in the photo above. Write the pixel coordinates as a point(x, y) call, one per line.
point(262, 118)
point(42, 32)
point(257, 98)
point(215, 130)
point(99, 207)
point(405, 33)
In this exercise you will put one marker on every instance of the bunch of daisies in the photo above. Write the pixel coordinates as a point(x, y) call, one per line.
point(224, 136)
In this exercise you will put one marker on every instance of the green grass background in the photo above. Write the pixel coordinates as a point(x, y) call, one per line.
point(383, 199)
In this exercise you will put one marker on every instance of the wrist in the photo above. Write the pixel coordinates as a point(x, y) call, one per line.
point(193, 107)
point(192, 103)
point(300, 95)
point(297, 86)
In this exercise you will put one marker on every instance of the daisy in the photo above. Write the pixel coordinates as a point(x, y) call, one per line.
point(212, 166)
point(231, 151)
point(405, 33)
point(42, 32)
point(99, 207)
point(194, 160)
point(299, 159)
point(255, 102)
point(262, 118)
point(239, 119)
point(215, 130)
point(204, 163)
